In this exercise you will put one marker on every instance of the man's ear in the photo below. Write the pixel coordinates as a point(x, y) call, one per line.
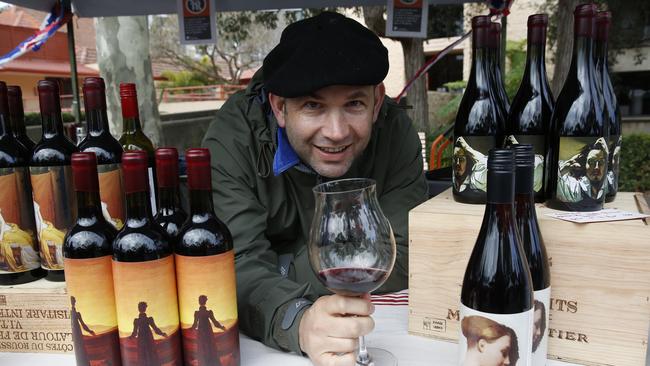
point(480, 345)
point(379, 94)
point(278, 104)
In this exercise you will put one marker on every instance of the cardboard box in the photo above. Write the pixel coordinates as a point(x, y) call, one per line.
point(600, 278)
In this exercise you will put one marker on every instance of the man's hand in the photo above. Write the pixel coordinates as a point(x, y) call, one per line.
point(330, 328)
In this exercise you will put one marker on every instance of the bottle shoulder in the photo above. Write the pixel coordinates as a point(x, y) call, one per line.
point(12, 153)
point(89, 241)
point(55, 151)
point(204, 235)
point(107, 150)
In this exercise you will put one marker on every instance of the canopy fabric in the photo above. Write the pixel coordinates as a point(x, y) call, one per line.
point(104, 8)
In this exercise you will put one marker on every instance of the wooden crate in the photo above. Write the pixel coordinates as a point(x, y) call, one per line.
point(600, 309)
point(35, 317)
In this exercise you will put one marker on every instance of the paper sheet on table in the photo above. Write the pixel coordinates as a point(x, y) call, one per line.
point(609, 214)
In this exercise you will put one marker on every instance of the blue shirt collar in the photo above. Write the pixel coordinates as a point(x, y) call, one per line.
point(285, 156)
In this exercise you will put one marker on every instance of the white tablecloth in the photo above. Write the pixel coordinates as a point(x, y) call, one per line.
point(390, 333)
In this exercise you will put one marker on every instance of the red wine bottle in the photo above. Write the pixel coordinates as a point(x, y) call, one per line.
point(205, 273)
point(19, 258)
point(612, 111)
point(530, 114)
point(87, 251)
point(479, 126)
point(144, 276)
point(108, 151)
point(51, 178)
point(171, 215)
point(17, 116)
point(577, 153)
point(496, 76)
point(133, 139)
point(497, 292)
point(533, 244)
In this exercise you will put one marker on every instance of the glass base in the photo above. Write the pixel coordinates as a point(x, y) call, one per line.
point(380, 357)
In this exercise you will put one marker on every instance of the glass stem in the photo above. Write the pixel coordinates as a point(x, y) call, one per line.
point(363, 358)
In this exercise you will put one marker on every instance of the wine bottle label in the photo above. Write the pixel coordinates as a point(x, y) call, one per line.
point(111, 193)
point(18, 243)
point(541, 315)
point(92, 311)
point(495, 339)
point(470, 165)
point(613, 163)
point(538, 142)
point(55, 211)
point(147, 312)
point(207, 297)
point(152, 189)
point(582, 170)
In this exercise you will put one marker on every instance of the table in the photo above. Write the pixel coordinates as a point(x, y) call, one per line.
point(390, 333)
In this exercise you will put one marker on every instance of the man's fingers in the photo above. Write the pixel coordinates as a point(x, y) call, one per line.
point(342, 345)
point(345, 305)
point(350, 327)
point(333, 359)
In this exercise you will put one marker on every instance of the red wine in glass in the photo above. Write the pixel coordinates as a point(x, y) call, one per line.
point(352, 281)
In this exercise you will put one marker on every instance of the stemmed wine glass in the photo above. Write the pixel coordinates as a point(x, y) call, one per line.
point(352, 247)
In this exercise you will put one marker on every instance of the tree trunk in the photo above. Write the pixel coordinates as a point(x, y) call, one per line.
point(563, 43)
point(416, 96)
point(123, 56)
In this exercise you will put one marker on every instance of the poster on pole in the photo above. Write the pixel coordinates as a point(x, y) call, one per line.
point(407, 18)
point(197, 21)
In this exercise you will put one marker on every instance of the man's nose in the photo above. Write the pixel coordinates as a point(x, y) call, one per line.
point(336, 128)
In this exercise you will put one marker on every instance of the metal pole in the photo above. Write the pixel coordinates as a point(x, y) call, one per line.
point(504, 31)
point(76, 107)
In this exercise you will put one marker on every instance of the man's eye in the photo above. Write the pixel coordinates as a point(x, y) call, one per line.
point(355, 104)
point(311, 105)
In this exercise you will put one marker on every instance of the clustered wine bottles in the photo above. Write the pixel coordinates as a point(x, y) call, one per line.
point(576, 140)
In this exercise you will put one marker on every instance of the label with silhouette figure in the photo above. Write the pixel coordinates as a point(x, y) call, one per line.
point(18, 244)
point(207, 297)
point(111, 193)
point(55, 211)
point(92, 311)
point(147, 312)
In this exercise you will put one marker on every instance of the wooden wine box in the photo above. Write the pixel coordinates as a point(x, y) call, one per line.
point(600, 273)
point(35, 318)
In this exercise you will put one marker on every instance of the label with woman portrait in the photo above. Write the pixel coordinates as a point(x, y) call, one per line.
point(539, 143)
point(18, 243)
point(469, 164)
point(111, 193)
point(55, 211)
point(92, 311)
point(147, 312)
point(582, 171)
point(207, 297)
point(540, 326)
point(495, 339)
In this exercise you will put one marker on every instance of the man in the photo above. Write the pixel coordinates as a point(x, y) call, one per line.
point(470, 168)
point(315, 112)
point(582, 177)
point(539, 324)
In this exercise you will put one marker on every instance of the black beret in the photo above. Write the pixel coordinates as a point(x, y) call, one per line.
point(328, 49)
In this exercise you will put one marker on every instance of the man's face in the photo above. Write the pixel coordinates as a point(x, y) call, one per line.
point(595, 165)
point(331, 127)
point(538, 332)
point(460, 162)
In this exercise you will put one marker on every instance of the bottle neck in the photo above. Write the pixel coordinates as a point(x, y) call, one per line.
point(525, 204)
point(168, 200)
point(131, 125)
point(5, 125)
point(97, 122)
point(201, 202)
point(479, 74)
point(535, 70)
point(138, 207)
point(600, 51)
point(130, 115)
point(582, 60)
point(89, 205)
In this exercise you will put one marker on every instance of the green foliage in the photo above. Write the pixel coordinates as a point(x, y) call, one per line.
point(456, 86)
point(516, 55)
point(183, 78)
point(34, 119)
point(634, 168)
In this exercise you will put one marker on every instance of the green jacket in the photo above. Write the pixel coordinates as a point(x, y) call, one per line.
point(270, 216)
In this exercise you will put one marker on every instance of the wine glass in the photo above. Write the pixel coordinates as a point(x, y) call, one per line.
point(352, 247)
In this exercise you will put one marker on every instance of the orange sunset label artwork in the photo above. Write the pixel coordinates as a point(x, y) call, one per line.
point(92, 311)
point(54, 209)
point(147, 312)
point(207, 296)
point(111, 193)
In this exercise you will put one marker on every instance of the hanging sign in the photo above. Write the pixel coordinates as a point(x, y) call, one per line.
point(196, 21)
point(407, 18)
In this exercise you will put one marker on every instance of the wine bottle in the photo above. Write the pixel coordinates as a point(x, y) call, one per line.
point(144, 277)
point(133, 139)
point(496, 309)
point(205, 272)
point(108, 151)
point(612, 111)
point(55, 209)
point(17, 116)
point(478, 126)
point(171, 215)
point(530, 113)
point(19, 258)
point(576, 160)
point(496, 75)
point(87, 252)
point(533, 244)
